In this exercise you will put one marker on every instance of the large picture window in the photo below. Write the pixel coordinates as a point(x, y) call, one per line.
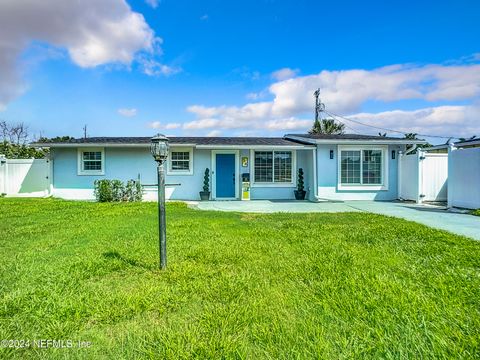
point(361, 167)
point(273, 167)
point(91, 161)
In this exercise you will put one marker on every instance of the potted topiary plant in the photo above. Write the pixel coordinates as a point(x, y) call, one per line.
point(205, 194)
point(300, 192)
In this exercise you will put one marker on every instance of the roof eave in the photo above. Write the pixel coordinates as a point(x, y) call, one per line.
point(76, 145)
point(265, 146)
point(467, 143)
point(206, 147)
point(358, 141)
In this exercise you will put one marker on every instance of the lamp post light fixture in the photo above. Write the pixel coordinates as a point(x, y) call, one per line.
point(159, 149)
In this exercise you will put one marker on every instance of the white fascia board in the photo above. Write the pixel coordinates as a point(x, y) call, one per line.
point(256, 147)
point(84, 145)
point(436, 147)
point(353, 142)
point(467, 143)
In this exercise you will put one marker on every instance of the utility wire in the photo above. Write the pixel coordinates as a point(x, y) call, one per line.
point(386, 129)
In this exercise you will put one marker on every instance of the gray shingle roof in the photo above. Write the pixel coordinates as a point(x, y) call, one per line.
point(343, 137)
point(182, 140)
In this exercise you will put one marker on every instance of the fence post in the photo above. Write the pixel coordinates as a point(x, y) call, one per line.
point(3, 174)
point(451, 149)
point(420, 158)
point(399, 174)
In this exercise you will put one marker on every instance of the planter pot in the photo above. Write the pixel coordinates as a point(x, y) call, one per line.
point(300, 195)
point(204, 195)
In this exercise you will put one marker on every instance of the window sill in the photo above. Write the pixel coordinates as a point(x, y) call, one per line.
point(183, 173)
point(362, 187)
point(281, 185)
point(93, 173)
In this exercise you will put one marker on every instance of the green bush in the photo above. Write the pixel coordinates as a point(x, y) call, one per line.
point(115, 190)
point(133, 191)
point(476, 212)
point(14, 151)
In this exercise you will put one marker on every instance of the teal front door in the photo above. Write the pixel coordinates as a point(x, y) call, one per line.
point(225, 175)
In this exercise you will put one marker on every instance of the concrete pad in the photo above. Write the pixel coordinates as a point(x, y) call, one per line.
point(437, 217)
point(434, 216)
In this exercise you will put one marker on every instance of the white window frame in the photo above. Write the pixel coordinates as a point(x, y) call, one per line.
point(170, 171)
point(361, 148)
point(80, 170)
point(291, 184)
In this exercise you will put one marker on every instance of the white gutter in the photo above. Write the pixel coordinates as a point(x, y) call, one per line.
point(353, 142)
point(467, 143)
point(85, 145)
point(210, 147)
point(255, 147)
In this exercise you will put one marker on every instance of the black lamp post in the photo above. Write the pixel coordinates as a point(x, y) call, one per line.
point(159, 149)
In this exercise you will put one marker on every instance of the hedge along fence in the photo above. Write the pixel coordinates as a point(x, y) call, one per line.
point(116, 191)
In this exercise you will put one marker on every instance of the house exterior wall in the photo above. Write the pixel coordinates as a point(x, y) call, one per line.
point(328, 173)
point(125, 164)
point(133, 163)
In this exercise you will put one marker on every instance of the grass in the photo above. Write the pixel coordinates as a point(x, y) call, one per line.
point(476, 212)
point(277, 286)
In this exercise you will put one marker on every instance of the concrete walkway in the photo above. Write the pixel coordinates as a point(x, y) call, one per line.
point(433, 216)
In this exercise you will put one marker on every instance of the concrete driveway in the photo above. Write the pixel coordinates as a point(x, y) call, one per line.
point(433, 216)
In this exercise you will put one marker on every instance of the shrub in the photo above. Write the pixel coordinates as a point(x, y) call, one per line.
point(14, 151)
point(300, 184)
point(133, 191)
point(206, 180)
point(115, 190)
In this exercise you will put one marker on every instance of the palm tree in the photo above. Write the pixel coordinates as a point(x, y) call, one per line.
point(327, 126)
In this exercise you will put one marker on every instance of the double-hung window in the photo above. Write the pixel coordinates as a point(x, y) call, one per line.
point(273, 167)
point(362, 167)
point(180, 161)
point(91, 161)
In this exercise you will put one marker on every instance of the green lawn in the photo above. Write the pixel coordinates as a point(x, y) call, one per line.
point(274, 286)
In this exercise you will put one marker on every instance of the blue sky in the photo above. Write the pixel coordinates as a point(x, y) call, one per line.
point(241, 68)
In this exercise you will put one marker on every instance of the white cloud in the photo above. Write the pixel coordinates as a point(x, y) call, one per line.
point(154, 125)
point(214, 133)
point(171, 126)
point(285, 74)
point(168, 126)
point(455, 121)
point(204, 17)
point(153, 3)
point(151, 67)
point(345, 92)
point(92, 32)
point(127, 112)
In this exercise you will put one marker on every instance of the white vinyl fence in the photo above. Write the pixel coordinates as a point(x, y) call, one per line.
point(423, 177)
point(25, 177)
point(464, 178)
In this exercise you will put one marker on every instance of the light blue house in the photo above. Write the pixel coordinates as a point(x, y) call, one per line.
point(336, 167)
